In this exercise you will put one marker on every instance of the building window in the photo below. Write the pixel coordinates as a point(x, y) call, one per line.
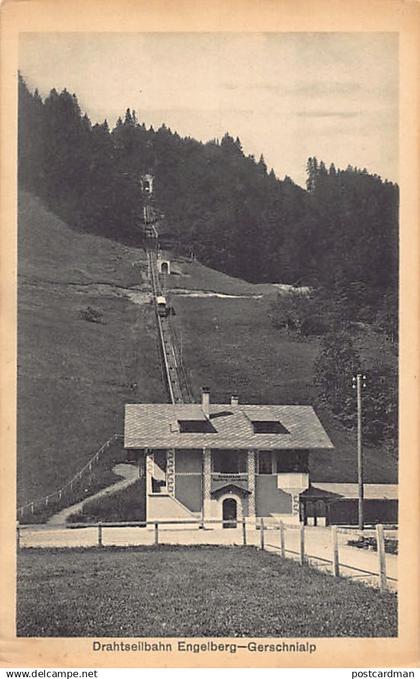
point(264, 462)
point(269, 427)
point(159, 471)
point(228, 462)
point(196, 427)
point(289, 461)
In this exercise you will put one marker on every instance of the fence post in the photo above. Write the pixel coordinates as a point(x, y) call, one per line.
point(156, 533)
point(380, 546)
point(243, 531)
point(262, 534)
point(17, 535)
point(302, 544)
point(335, 561)
point(100, 543)
point(282, 545)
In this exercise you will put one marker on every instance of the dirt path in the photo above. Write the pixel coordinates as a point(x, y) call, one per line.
point(129, 473)
point(358, 564)
point(183, 292)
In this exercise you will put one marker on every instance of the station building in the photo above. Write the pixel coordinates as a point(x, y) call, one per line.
point(206, 461)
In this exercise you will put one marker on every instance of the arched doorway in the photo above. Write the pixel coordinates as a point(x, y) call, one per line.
point(230, 511)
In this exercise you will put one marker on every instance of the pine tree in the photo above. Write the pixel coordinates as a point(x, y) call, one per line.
point(262, 167)
point(322, 170)
point(30, 138)
point(335, 366)
point(312, 174)
point(128, 120)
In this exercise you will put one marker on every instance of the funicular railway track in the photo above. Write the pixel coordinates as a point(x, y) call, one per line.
point(176, 380)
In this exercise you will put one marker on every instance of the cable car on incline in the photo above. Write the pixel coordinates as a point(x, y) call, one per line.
point(162, 307)
point(149, 232)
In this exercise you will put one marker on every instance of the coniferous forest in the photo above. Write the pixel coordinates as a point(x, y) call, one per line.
point(339, 236)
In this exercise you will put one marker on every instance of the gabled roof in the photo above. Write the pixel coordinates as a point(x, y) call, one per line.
point(224, 487)
point(148, 425)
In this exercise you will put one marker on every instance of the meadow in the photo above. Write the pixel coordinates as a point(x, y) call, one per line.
point(74, 376)
point(191, 591)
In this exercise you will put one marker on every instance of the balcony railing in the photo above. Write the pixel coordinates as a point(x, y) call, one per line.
point(293, 481)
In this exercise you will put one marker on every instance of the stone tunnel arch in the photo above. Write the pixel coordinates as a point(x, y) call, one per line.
point(164, 266)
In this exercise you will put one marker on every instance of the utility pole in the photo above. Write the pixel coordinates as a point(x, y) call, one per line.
point(359, 382)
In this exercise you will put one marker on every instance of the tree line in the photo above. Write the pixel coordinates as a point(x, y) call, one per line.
point(339, 235)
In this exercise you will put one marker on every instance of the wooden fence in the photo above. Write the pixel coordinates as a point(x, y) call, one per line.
point(256, 533)
point(62, 495)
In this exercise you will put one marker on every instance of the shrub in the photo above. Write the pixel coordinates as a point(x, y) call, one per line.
point(391, 544)
point(92, 315)
point(127, 504)
point(290, 309)
point(314, 325)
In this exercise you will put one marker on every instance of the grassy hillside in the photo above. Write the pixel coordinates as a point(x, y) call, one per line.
point(194, 275)
point(74, 376)
point(231, 346)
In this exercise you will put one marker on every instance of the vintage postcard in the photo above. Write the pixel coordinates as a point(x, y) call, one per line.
point(210, 334)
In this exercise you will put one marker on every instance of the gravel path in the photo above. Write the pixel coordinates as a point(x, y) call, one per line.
point(129, 473)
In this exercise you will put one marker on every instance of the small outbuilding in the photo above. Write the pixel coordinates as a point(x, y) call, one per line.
point(337, 503)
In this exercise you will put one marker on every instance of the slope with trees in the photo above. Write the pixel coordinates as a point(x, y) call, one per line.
point(339, 236)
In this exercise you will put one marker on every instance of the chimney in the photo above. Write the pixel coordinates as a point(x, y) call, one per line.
point(205, 400)
point(234, 400)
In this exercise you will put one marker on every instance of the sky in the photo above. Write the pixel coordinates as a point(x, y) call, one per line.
point(287, 96)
